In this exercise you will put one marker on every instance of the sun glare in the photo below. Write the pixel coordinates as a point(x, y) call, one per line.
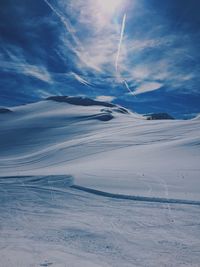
point(109, 7)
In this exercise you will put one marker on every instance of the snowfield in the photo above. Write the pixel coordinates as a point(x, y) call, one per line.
point(96, 185)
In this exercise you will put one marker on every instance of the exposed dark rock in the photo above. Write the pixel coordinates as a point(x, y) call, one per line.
point(80, 101)
point(115, 109)
point(103, 117)
point(121, 110)
point(4, 110)
point(159, 116)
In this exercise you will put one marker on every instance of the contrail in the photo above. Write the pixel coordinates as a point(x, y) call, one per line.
point(118, 53)
point(65, 22)
point(69, 28)
point(60, 16)
point(128, 88)
point(120, 41)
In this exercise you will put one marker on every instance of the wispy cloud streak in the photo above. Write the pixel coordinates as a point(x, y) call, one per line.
point(80, 79)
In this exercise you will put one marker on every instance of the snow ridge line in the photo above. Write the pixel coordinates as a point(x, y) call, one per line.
point(136, 198)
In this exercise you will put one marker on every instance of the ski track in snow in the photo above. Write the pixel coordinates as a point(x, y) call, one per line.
point(68, 181)
point(136, 198)
point(45, 220)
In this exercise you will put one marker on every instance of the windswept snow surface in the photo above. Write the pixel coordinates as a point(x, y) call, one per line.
point(63, 168)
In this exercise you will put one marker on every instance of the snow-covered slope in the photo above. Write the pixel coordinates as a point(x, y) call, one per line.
point(102, 148)
point(97, 185)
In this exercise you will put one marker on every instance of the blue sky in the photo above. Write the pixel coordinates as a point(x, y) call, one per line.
point(143, 54)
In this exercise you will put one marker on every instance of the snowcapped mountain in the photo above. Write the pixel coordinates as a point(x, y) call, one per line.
point(83, 146)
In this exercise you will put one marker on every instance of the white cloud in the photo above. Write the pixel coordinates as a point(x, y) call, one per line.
point(18, 63)
point(96, 51)
point(106, 98)
point(93, 43)
point(184, 77)
point(148, 87)
point(43, 93)
point(98, 14)
point(37, 72)
point(156, 42)
point(141, 72)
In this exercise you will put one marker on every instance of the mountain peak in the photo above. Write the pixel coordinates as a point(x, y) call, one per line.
point(80, 101)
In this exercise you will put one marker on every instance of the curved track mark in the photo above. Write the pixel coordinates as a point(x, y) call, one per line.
point(136, 198)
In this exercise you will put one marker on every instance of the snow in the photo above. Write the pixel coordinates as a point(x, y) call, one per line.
point(50, 150)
